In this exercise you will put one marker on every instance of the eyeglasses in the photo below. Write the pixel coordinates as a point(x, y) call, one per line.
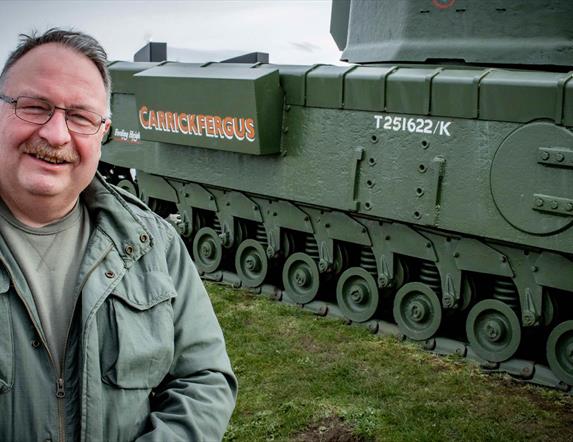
point(39, 111)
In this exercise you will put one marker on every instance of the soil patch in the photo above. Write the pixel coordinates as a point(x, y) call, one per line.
point(330, 429)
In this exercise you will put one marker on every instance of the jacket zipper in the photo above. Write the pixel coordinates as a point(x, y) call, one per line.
point(60, 386)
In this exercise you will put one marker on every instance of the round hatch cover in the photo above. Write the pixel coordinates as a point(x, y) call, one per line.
point(519, 172)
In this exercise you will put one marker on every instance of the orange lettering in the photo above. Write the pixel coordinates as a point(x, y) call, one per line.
point(152, 120)
point(161, 120)
point(201, 123)
point(228, 127)
point(209, 126)
point(192, 124)
point(239, 124)
point(142, 117)
point(170, 120)
point(183, 128)
point(250, 126)
point(218, 128)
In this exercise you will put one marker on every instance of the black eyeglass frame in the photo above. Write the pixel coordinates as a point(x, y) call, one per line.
point(14, 101)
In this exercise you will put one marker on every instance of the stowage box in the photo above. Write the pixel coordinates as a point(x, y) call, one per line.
point(232, 109)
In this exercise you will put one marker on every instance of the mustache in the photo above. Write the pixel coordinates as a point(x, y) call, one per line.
point(43, 149)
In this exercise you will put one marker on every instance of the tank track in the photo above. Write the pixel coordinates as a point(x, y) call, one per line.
point(293, 267)
point(520, 370)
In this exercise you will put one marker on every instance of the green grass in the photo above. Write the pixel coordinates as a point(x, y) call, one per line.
point(306, 378)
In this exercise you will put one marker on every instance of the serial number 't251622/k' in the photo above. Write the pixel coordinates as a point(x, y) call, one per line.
point(413, 125)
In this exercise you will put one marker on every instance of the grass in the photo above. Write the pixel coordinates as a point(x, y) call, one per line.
point(305, 378)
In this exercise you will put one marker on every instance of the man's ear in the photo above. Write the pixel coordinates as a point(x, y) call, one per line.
point(104, 133)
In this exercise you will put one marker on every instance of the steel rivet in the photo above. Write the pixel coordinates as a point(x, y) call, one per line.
point(560, 157)
point(544, 155)
point(128, 249)
point(143, 237)
point(538, 202)
point(569, 207)
point(554, 204)
point(35, 343)
point(109, 274)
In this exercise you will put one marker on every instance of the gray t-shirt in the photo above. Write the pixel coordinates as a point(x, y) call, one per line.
point(49, 258)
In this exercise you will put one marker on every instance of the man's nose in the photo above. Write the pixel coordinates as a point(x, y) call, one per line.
point(55, 131)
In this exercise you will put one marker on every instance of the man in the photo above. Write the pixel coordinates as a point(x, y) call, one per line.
point(106, 331)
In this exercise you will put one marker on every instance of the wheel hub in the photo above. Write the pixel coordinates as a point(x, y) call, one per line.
point(494, 330)
point(301, 277)
point(207, 250)
point(358, 293)
point(418, 310)
point(252, 263)
point(569, 352)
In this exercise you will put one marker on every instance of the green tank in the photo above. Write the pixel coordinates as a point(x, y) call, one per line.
point(425, 189)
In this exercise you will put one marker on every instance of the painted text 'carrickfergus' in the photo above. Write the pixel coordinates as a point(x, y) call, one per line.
point(212, 126)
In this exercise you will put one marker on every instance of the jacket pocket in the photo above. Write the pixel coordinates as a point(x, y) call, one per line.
point(6, 336)
point(136, 333)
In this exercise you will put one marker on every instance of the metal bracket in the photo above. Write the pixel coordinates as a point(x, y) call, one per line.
point(555, 156)
point(357, 157)
point(552, 204)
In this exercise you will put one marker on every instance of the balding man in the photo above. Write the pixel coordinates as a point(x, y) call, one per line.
point(106, 331)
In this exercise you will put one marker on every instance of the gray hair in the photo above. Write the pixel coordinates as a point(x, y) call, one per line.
point(77, 41)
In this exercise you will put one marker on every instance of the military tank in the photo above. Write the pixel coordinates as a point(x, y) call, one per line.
point(424, 189)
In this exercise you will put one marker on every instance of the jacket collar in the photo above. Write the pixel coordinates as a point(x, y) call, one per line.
point(112, 215)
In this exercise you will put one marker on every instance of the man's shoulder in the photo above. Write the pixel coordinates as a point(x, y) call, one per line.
point(158, 226)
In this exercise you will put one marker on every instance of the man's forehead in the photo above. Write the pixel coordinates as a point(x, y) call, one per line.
point(53, 65)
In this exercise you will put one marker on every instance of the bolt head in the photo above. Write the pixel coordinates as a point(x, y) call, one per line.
point(384, 281)
point(528, 318)
point(448, 300)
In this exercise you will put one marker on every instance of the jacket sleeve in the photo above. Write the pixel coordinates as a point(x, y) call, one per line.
point(195, 401)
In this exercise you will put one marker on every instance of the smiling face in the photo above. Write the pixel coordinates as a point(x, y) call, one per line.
point(48, 163)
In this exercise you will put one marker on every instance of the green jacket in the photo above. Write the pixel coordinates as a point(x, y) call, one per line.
point(145, 357)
